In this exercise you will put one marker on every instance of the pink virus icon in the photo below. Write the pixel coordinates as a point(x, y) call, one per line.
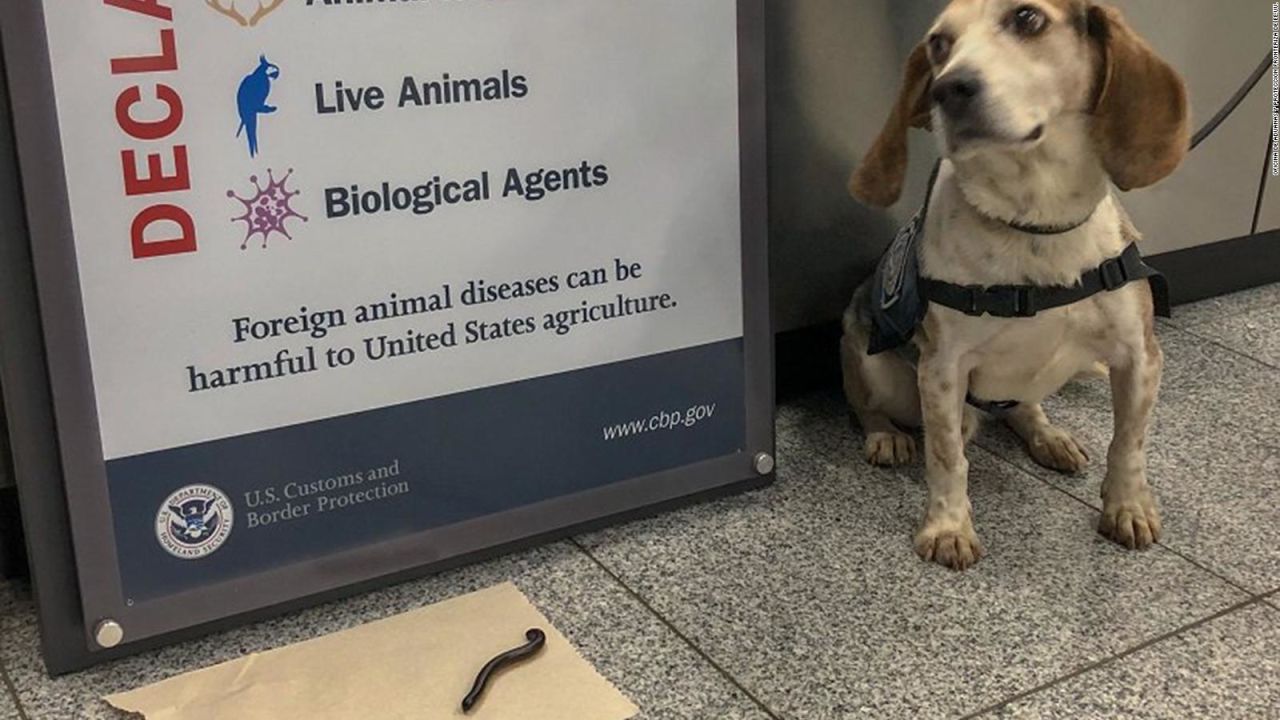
point(268, 209)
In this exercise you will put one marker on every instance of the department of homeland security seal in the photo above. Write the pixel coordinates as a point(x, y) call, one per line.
point(194, 522)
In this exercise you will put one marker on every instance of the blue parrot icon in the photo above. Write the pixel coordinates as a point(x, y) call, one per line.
point(251, 100)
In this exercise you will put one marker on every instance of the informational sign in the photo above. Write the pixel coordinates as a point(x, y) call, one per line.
point(332, 290)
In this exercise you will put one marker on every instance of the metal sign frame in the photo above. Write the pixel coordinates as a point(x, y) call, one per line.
point(44, 367)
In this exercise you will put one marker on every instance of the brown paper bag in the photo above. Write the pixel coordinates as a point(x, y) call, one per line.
point(416, 665)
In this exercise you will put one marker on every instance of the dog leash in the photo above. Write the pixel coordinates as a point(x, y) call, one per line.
point(1233, 102)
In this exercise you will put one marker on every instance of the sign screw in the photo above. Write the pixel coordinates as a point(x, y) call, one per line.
point(108, 633)
point(764, 463)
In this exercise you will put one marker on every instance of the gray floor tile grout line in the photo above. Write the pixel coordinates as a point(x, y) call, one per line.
point(12, 689)
point(1252, 598)
point(1214, 573)
point(1220, 345)
point(1190, 560)
point(678, 633)
point(1116, 657)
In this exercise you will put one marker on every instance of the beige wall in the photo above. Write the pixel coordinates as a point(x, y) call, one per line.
point(1215, 45)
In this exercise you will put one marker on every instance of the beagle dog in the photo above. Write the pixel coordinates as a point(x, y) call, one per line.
point(1041, 109)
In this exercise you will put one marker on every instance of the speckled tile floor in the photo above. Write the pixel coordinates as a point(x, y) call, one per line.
point(804, 601)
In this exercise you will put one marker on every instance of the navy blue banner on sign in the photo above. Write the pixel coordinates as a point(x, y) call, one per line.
point(323, 487)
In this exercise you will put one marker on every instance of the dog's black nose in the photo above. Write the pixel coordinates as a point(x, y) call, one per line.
point(955, 91)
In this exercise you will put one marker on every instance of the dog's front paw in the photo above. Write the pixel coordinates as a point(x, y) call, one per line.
point(1131, 520)
point(949, 543)
point(1056, 449)
point(889, 449)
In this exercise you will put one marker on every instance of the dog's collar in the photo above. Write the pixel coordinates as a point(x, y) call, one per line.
point(1035, 229)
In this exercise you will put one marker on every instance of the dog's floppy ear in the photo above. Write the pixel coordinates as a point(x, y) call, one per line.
point(878, 180)
point(1141, 118)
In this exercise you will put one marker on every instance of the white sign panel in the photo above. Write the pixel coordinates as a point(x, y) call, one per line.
point(334, 290)
point(445, 195)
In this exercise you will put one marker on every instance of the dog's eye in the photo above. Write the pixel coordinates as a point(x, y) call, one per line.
point(1028, 21)
point(939, 48)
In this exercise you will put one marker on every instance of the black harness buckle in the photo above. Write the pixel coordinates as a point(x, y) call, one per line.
point(1024, 302)
point(1112, 274)
point(975, 309)
point(1001, 301)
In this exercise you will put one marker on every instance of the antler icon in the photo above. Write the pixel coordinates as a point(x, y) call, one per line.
point(230, 11)
point(264, 9)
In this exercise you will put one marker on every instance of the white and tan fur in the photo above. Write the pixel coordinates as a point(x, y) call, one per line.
point(1063, 116)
